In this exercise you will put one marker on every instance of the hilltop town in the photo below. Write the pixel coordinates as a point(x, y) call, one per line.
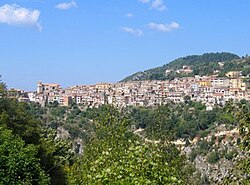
point(210, 90)
point(140, 92)
point(191, 98)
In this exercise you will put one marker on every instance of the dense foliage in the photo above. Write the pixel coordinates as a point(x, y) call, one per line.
point(19, 162)
point(30, 152)
point(110, 144)
point(115, 155)
point(181, 120)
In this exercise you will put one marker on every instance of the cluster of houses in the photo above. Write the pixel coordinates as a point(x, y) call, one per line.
point(210, 90)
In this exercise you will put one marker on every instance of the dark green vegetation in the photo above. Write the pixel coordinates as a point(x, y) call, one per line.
point(112, 150)
point(31, 151)
point(182, 120)
point(205, 64)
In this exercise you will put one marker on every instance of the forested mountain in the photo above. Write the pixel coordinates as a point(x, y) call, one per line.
point(206, 64)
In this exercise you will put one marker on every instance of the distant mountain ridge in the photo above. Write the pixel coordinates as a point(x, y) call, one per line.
point(206, 64)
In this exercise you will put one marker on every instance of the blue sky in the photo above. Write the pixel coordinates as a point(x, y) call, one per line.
point(85, 42)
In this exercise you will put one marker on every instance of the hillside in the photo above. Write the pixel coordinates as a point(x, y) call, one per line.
point(209, 141)
point(206, 64)
point(176, 143)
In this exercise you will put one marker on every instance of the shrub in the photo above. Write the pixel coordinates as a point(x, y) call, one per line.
point(213, 157)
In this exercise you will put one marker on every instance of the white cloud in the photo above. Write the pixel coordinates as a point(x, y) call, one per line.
point(18, 16)
point(65, 6)
point(129, 15)
point(158, 5)
point(155, 4)
point(144, 1)
point(164, 27)
point(133, 31)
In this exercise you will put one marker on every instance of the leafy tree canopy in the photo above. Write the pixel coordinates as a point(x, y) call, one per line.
point(19, 164)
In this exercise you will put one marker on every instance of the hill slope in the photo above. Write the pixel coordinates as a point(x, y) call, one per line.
point(205, 64)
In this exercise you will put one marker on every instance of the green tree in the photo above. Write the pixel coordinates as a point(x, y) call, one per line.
point(15, 117)
point(51, 153)
point(19, 164)
point(2, 89)
point(55, 155)
point(117, 156)
point(213, 157)
point(187, 99)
